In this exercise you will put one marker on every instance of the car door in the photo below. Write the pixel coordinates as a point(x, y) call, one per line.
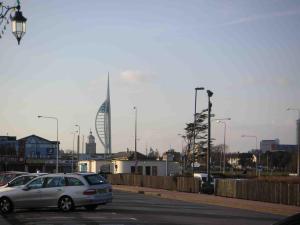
point(52, 190)
point(29, 196)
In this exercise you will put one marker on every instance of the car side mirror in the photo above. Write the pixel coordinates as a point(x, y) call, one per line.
point(26, 188)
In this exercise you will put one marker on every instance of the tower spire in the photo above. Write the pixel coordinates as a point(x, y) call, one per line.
point(103, 123)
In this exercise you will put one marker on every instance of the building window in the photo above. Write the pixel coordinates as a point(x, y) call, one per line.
point(132, 169)
point(140, 170)
point(83, 167)
point(154, 170)
point(148, 170)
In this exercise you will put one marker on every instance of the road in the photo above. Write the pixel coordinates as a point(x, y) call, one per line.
point(133, 208)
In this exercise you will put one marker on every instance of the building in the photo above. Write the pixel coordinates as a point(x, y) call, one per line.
point(9, 159)
point(148, 167)
point(90, 146)
point(274, 145)
point(268, 145)
point(95, 166)
point(35, 147)
point(8, 146)
point(171, 155)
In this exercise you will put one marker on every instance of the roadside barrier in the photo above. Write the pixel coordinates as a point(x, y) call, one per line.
point(259, 190)
point(183, 184)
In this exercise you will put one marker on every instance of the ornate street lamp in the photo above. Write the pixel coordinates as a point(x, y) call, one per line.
point(18, 20)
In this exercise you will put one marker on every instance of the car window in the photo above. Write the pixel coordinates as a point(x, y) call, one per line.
point(20, 181)
point(8, 177)
point(95, 179)
point(1, 178)
point(72, 181)
point(37, 183)
point(54, 182)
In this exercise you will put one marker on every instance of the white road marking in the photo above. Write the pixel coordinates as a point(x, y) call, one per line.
point(132, 218)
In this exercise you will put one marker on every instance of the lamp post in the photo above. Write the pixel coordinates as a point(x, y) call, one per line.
point(18, 20)
point(57, 144)
point(73, 150)
point(78, 145)
point(194, 130)
point(209, 94)
point(298, 138)
point(183, 151)
point(224, 145)
point(135, 140)
point(253, 136)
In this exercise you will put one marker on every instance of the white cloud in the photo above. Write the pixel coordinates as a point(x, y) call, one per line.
point(132, 76)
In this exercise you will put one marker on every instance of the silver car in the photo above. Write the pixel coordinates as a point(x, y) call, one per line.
point(65, 191)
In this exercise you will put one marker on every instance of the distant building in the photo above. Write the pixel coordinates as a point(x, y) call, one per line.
point(8, 146)
point(148, 167)
point(171, 155)
point(274, 145)
point(128, 155)
point(268, 145)
point(35, 147)
point(90, 146)
point(8, 153)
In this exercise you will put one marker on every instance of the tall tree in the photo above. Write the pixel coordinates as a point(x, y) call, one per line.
point(200, 129)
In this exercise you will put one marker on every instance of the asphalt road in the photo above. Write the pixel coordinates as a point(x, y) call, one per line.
point(131, 208)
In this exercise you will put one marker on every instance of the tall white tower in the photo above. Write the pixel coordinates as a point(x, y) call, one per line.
point(103, 123)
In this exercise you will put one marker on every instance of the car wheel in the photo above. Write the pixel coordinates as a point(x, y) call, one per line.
point(65, 204)
point(90, 207)
point(5, 205)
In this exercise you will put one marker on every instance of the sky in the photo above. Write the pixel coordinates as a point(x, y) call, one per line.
point(157, 52)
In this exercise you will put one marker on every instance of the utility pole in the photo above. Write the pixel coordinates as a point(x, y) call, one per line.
point(78, 145)
point(135, 140)
point(210, 94)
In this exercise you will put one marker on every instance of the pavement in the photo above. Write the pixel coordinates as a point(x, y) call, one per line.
point(262, 207)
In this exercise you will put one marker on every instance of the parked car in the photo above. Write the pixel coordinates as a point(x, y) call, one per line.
point(65, 191)
point(5, 177)
point(22, 179)
point(205, 187)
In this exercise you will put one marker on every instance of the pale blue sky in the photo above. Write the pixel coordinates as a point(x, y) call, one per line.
point(157, 52)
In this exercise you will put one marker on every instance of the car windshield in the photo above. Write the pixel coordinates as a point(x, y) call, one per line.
point(20, 181)
point(95, 179)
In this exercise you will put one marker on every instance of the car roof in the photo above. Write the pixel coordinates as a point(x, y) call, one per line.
point(33, 174)
point(13, 172)
point(85, 173)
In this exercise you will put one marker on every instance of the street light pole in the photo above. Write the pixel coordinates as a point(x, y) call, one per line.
point(253, 136)
point(224, 148)
point(209, 94)
point(73, 150)
point(57, 144)
point(194, 130)
point(183, 150)
point(298, 138)
point(78, 145)
point(135, 140)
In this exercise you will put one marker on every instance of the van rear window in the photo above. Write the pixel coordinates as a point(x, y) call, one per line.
point(95, 179)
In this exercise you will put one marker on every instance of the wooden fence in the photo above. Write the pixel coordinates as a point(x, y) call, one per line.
point(259, 190)
point(183, 184)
